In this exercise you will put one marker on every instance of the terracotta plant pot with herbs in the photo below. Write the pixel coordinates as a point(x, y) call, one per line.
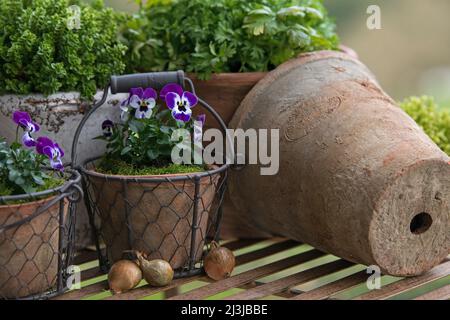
point(31, 209)
point(225, 46)
point(143, 200)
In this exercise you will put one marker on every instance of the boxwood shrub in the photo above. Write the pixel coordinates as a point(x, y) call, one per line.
point(40, 51)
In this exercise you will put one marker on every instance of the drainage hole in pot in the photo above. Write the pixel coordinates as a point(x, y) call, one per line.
point(421, 223)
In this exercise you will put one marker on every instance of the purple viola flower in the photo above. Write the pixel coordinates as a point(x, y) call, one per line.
point(23, 119)
point(201, 118)
point(179, 101)
point(107, 127)
point(143, 101)
point(47, 147)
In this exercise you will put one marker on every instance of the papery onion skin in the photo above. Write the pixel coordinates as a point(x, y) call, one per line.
point(157, 273)
point(219, 263)
point(124, 275)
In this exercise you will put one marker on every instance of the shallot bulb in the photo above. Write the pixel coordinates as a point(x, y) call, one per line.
point(219, 263)
point(124, 275)
point(158, 273)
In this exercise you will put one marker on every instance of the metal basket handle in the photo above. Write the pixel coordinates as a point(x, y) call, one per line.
point(156, 80)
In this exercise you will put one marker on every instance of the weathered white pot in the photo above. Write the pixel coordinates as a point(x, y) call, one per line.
point(59, 115)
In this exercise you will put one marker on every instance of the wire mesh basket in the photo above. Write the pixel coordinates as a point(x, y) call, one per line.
point(169, 217)
point(37, 241)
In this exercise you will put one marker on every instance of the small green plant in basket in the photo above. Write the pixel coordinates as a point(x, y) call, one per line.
point(37, 204)
point(22, 164)
point(143, 143)
point(151, 190)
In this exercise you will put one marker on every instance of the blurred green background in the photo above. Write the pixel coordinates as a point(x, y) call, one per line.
point(410, 55)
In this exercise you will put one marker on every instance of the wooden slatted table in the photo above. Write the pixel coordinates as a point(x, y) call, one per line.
point(273, 269)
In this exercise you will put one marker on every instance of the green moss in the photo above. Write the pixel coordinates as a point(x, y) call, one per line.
point(49, 183)
point(5, 190)
point(116, 167)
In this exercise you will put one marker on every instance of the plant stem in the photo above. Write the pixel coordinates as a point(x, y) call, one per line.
point(17, 134)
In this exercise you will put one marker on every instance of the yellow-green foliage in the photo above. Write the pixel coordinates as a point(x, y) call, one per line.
point(433, 120)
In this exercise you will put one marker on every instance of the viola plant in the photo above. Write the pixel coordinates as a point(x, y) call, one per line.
point(146, 135)
point(23, 166)
point(179, 101)
point(23, 119)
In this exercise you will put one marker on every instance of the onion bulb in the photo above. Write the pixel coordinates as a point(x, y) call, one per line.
point(219, 263)
point(158, 273)
point(124, 275)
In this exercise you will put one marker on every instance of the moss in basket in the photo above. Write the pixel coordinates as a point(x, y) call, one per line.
point(117, 167)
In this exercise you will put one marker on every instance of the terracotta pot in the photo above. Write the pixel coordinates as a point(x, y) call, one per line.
point(358, 177)
point(29, 252)
point(155, 218)
point(225, 92)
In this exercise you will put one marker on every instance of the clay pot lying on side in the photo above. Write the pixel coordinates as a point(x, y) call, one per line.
point(225, 92)
point(29, 250)
point(139, 213)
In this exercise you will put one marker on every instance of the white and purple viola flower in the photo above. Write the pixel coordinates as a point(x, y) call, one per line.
point(23, 119)
point(179, 101)
point(107, 128)
point(47, 147)
point(143, 101)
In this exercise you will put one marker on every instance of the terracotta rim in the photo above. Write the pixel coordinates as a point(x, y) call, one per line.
point(28, 204)
point(154, 178)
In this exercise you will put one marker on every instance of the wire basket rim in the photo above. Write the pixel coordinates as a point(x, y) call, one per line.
point(151, 178)
point(74, 179)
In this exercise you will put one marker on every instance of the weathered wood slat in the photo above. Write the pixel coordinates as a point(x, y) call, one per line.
point(90, 273)
point(333, 288)
point(267, 251)
point(249, 276)
point(239, 244)
point(290, 281)
point(84, 292)
point(407, 284)
point(85, 256)
point(439, 294)
point(148, 291)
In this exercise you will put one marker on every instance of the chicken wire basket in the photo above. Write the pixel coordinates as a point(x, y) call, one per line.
point(170, 217)
point(37, 234)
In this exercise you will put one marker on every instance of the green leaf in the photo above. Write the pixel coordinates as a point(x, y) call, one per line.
point(297, 11)
point(125, 151)
point(152, 154)
point(135, 125)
